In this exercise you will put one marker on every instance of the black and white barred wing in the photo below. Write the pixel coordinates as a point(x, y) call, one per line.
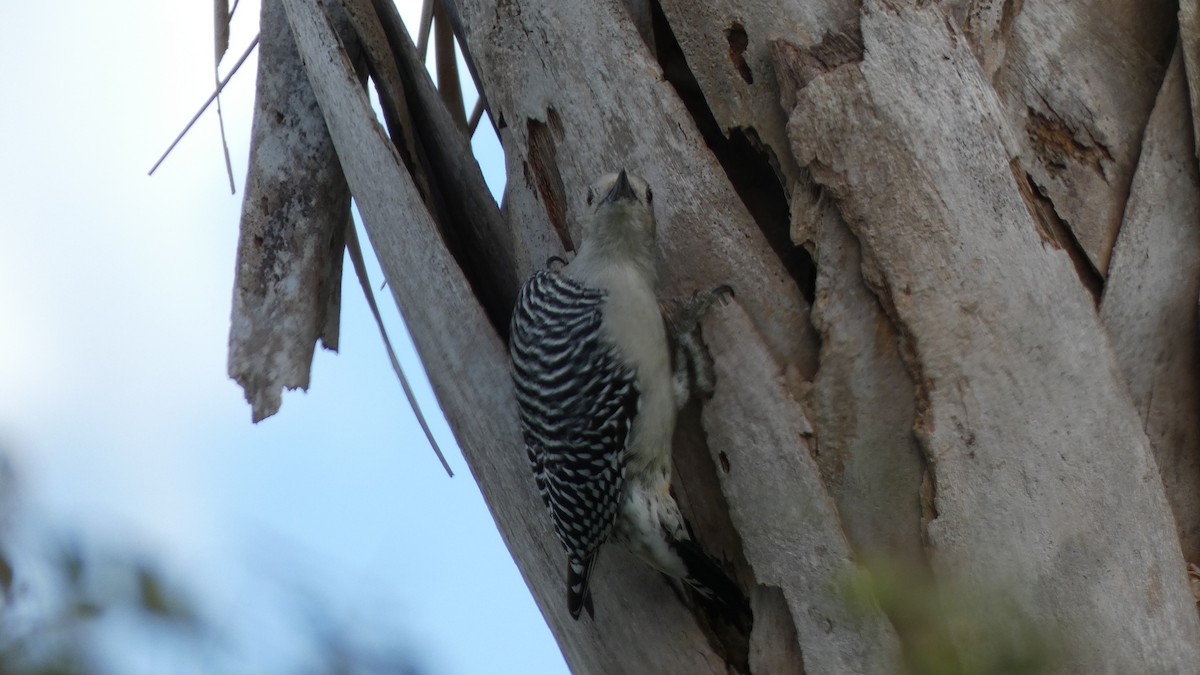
point(577, 402)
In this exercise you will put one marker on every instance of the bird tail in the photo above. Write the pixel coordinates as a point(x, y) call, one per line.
point(579, 592)
point(707, 578)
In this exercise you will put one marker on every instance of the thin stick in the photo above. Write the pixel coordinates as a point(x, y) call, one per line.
point(449, 85)
point(211, 98)
point(476, 115)
point(360, 268)
point(423, 29)
point(220, 29)
point(224, 140)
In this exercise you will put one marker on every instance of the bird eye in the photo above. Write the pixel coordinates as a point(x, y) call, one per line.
point(649, 195)
point(590, 197)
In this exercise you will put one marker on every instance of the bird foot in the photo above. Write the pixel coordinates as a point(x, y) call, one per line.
point(694, 372)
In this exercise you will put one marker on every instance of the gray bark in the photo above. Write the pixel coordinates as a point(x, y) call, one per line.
point(917, 205)
point(789, 526)
point(1045, 483)
point(287, 290)
point(1149, 303)
point(1077, 82)
point(1189, 37)
point(726, 46)
point(862, 401)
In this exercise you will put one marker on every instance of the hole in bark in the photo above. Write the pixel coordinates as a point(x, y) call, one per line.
point(724, 458)
point(543, 175)
point(738, 42)
point(747, 162)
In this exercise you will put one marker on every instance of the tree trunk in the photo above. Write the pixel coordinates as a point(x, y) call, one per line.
point(965, 242)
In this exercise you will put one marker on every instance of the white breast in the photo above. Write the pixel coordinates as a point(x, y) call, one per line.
point(633, 320)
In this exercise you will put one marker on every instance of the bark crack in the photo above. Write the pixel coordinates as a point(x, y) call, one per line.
point(796, 67)
point(1056, 232)
point(697, 490)
point(750, 166)
point(541, 172)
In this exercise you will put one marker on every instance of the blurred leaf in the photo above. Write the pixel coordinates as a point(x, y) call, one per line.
point(150, 590)
point(6, 574)
point(84, 608)
point(70, 564)
point(945, 633)
point(157, 599)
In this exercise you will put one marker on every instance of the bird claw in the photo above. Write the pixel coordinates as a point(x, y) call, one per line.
point(696, 307)
point(694, 368)
point(722, 292)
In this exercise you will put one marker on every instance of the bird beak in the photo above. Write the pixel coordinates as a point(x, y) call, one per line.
point(621, 189)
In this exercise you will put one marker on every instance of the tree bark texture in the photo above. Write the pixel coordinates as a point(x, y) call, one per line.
point(287, 291)
point(1044, 477)
point(965, 245)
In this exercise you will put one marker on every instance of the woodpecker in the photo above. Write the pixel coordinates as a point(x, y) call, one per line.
point(598, 396)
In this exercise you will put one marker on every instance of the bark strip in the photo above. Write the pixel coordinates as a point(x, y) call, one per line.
point(287, 288)
point(861, 401)
point(1046, 485)
point(1149, 306)
point(1189, 36)
point(788, 524)
point(638, 626)
point(726, 45)
point(1078, 81)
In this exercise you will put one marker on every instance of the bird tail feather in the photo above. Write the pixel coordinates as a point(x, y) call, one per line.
point(579, 592)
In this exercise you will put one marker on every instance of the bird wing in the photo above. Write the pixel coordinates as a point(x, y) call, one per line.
point(577, 401)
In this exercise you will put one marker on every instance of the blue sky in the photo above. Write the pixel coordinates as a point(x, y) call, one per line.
point(115, 296)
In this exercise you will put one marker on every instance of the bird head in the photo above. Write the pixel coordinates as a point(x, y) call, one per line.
point(622, 211)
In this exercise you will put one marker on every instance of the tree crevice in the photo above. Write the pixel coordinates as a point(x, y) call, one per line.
point(697, 489)
point(1057, 233)
point(542, 173)
point(751, 166)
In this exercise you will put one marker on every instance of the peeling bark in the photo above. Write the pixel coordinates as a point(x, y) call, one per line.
point(1189, 36)
point(726, 48)
point(639, 627)
point(443, 165)
point(987, 25)
point(1045, 483)
point(774, 648)
point(861, 402)
point(287, 289)
point(1077, 82)
point(925, 385)
point(790, 529)
point(1149, 305)
point(614, 109)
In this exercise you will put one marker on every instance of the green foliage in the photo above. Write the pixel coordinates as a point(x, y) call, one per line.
point(955, 628)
